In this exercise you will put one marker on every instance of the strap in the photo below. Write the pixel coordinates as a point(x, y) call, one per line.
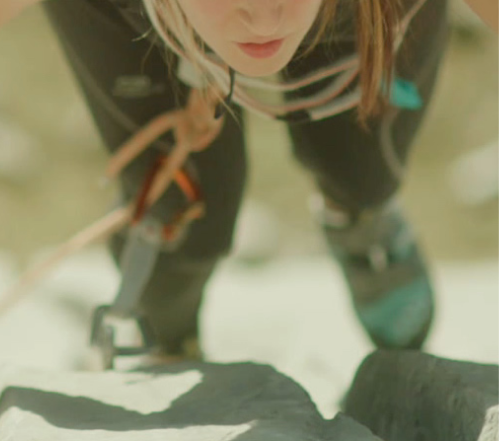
point(138, 260)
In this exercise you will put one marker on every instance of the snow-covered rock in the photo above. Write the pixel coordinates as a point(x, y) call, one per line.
point(293, 313)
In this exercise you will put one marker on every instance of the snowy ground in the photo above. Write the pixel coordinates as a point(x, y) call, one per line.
point(291, 312)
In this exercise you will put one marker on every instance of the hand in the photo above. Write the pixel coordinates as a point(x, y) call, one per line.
point(487, 10)
point(10, 8)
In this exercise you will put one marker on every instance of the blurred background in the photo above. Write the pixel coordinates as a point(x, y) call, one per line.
point(51, 155)
point(278, 299)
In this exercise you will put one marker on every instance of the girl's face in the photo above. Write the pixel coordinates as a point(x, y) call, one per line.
point(273, 28)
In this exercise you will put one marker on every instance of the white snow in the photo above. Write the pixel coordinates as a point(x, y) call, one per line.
point(292, 312)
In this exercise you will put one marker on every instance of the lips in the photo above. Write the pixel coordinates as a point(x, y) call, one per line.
point(261, 50)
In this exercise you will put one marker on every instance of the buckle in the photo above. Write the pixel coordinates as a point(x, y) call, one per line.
point(103, 336)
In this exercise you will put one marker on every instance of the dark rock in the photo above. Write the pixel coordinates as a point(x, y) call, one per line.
point(412, 396)
point(267, 405)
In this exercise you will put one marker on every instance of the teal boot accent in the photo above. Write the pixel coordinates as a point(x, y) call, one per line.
point(386, 275)
point(400, 318)
point(405, 94)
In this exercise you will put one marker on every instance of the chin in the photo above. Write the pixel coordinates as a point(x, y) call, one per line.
point(259, 68)
point(258, 71)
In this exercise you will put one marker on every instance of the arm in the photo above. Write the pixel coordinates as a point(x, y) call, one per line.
point(10, 8)
point(487, 10)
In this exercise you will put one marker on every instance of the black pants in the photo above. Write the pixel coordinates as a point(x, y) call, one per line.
point(125, 83)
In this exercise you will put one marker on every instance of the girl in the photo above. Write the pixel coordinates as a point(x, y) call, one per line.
point(357, 77)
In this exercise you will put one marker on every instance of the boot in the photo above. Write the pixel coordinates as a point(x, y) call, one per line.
point(171, 301)
point(385, 271)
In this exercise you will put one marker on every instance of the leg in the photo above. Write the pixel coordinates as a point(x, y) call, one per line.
point(125, 82)
point(358, 172)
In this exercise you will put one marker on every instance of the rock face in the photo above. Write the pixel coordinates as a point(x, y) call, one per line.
point(412, 396)
point(185, 402)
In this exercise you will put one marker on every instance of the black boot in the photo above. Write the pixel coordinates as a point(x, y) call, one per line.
point(172, 299)
point(385, 271)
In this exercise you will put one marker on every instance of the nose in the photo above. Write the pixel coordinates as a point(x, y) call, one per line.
point(262, 17)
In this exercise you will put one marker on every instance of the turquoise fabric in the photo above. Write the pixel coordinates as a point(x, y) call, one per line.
point(405, 94)
point(401, 314)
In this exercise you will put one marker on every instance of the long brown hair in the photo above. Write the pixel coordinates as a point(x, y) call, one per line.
point(376, 24)
point(377, 21)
